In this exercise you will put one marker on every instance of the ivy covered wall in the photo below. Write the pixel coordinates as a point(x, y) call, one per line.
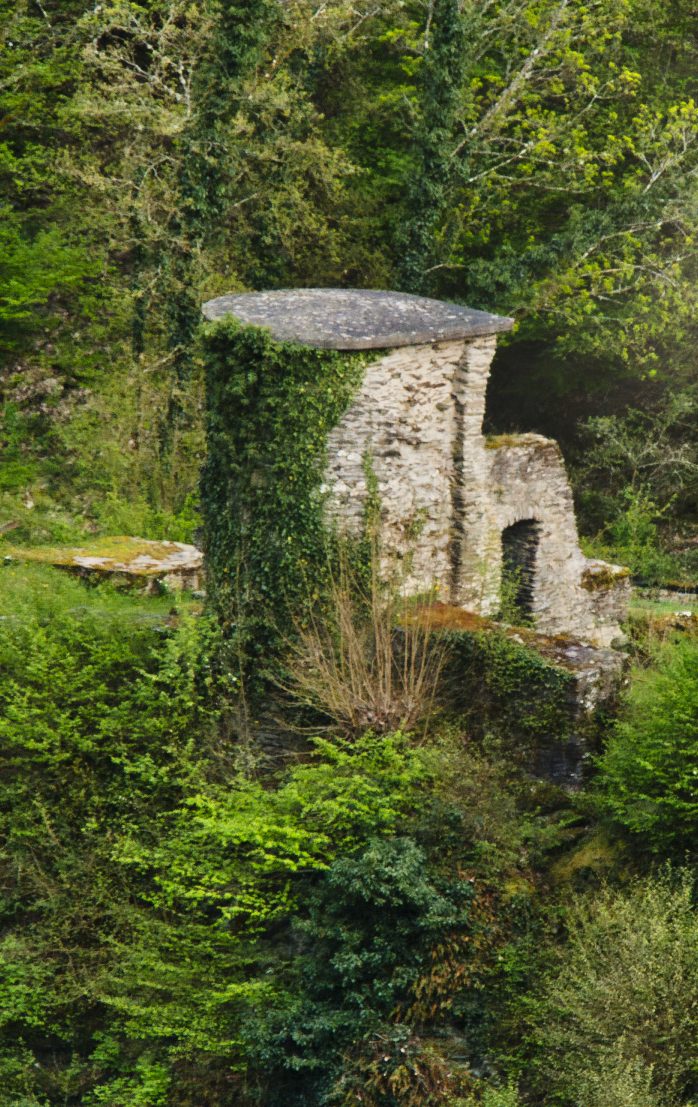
point(269, 409)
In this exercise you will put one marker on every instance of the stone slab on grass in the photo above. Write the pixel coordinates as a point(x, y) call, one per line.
point(145, 563)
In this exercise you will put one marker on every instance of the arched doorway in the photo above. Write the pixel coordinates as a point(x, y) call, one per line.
point(519, 552)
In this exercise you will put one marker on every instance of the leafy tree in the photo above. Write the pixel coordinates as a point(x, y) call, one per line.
point(645, 456)
point(44, 255)
point(541, 153)
point(370, 930)
point(441, 81)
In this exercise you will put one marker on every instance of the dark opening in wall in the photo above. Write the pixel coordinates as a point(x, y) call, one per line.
point(519, 553)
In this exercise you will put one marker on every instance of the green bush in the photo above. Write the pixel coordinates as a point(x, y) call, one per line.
point(617, 1019)
point(370, 931)
point(99, 700)
point(633, 539)
point(117, 515)
point(649, 771)
point(201, 974)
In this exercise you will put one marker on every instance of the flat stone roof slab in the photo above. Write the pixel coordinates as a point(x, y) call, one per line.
point(355, 319)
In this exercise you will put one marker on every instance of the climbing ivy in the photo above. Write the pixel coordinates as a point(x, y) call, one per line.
point(443, 73)
point(270, 408)
point(209, 157)
point(506, 687)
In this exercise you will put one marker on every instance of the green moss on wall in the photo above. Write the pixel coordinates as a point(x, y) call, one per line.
point(603, 577)
point(270, 408)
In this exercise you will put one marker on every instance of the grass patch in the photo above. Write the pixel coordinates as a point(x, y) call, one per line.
point(662, 607)
point(41, 593)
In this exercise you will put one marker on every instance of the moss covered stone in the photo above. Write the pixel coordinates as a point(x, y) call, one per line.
point(137, 559)
point(600, 575)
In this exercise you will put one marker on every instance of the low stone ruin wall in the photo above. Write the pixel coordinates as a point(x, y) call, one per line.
point(572, 594)
point(446, 494)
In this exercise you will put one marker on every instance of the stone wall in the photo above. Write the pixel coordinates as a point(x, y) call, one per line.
point(572, 595)
point(446, 494)
point(404, 420)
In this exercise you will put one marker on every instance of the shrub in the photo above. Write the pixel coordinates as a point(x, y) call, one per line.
point(118, 515)
point(480, 789)
point(215, 883)
point(649, 771)
point(371, 928)
point(617, 1020)
point(357, 666)
point(99, 699)
point(633, 539)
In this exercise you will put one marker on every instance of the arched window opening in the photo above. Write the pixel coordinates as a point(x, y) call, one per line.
point(519, 553)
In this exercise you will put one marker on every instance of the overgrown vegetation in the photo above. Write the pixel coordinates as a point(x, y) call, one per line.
point(649, 770)
point(270, 408)
point(629, 953)
point(364, 660)
point(202, 902)
point(127, 823)
point(366, 923)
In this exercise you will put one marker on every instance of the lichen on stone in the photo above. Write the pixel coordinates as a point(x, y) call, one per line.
point(518, 441)
point(123, 555)
point(601, 574)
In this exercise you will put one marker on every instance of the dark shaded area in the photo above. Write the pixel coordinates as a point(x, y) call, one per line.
point(531, 388)
point(519, 552)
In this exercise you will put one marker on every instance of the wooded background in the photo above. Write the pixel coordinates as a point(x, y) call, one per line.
point(532, 158)
point(197, 910)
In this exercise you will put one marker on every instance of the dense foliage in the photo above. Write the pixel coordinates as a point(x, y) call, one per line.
point(535, 158)
point(196, 932)
point(628, 955)
point(375, 922)
point(197, 912)
point(649, 770)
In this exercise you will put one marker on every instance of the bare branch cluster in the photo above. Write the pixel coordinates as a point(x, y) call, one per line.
point(368, 663)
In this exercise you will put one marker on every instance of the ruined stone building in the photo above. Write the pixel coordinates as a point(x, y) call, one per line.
point(462, 510)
